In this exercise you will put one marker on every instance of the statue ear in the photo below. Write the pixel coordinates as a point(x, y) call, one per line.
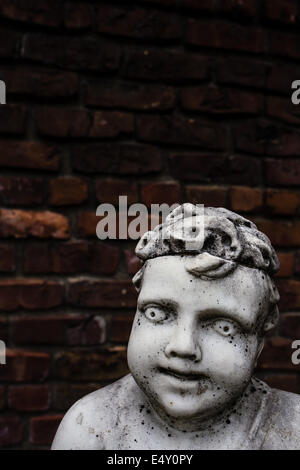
point(271, 319)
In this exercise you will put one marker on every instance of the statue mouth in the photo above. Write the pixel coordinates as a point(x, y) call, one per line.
point(181, 375)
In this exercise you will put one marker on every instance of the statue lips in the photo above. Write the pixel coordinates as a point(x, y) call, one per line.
point(189, 376)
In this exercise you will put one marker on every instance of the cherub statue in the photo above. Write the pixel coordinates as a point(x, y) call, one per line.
point(206, 300)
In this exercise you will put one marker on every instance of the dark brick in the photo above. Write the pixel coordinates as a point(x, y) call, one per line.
point(104, 259)
point(172, 66)
point(65, 394)
point(283, 109)
point(138, 23)
point(286, 264)
point(9, 43)
point(68, 191)
point(4, 330)
point(290, 325)
point(281, 233)
point(120, 328)
point(289, 290)
point(239, 8)
point(7, 258)
point(104, 293)
point(223, 35)
point(283, 172)
point(90, 331)
point(22, 191)
point(132, 261)
point(214, 196)
point(232, 169)
point(164, 192)
point(43, 429)
point(29, 397)
point(25, 366)
point(105, 365)
point(282, 11)
point(244, 199)
point(130, 96)
point(30, 294)
point(297, 263)
point(2, 397)
point(124, 159)
point(33, 155)
point(62, 122)
point(46, 13)
point(285, 45)
point(109, 190)
point(11, 430)
point(111, 124)
point(280, 78)
point(181, 130)
point(12, 119)
point(241, 71)
point(77, 16)
point(287, 382)
point(71, 53)
point(277, 354)
point(281, 201)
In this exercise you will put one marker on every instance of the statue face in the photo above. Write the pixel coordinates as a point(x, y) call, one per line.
point(194, 343)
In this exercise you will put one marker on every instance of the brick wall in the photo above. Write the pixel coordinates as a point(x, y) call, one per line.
point(161, 100)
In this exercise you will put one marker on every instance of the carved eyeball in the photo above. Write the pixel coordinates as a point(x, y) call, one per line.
point(224, 327)
point(155, 314)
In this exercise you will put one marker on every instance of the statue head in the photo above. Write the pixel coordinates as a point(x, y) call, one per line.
point(206, 300)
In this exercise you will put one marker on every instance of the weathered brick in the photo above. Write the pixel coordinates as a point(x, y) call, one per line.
point(280, 77)
point(25, 366)
point(172, 66)
point(30, 294)
point(246, 199)
point(12, 119)
point(104, 258)
point(66, 394)
point(71, 53)
point(29, 397)
point(232, 169)
point(11, 430)
point(277, 355)
point(87, 223)
point(21, 224)
point(286, 264)
point(204, 5)
point(133, 96)
point(289, 290)
point(164, 192)
point(120, 328)
point(62, 122)
point(46, 13)
point(67, 190)
point(181, 130)
point(297, 263)
point(287, 382)
point(39, 82)
point(111, 124)
point(283, 11)
point(22, 191)
point(132, 261)
point(125, 159)
point(4, 330)
point(77, 16)
point(104, 293)
point(214, 196)
point(7, 258)
point(90, 331)
point(283, 44)
point(281, 233)
point(283, 109)
point(2, 397)
point(290, 325)
point(33, 155)
point(138, 23)
point(239, 8)
point(9, 43)
point(242, 71)
point(225, 36)
point(284, 172)
point(109, 190)
point(105, 365)
point(216, 100)
point(283, 202)
point(43, 429)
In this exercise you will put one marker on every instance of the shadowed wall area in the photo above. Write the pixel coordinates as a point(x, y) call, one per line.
point(160, 100)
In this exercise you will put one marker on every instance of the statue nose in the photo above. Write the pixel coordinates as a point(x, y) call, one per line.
point(182, 344)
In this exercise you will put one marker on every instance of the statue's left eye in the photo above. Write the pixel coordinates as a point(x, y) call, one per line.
point(225, 327)
point(155, 314)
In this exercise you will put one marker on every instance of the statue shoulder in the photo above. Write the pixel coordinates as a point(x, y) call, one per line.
point(87, 422)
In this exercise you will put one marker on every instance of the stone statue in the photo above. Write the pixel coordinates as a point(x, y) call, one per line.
point(203, 310)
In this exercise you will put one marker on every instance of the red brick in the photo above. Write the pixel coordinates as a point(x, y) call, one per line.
point(287, 382)
point(241, 71)
point(277, 354)
point(132, 261)
point(297, 263)
point(4, 330)
point(12, 119)
point(283, 172)
point(87, 223)
point(286, 264)
point(130, 96)
point(39, 82)
point(283, 11)
point(120, 328)
point(30, 294)
point(290, 325)
point(181, 130)
point(29, 397)
point(125, 159)
point(11, 430)
point(75, 53)
point(111, 124)
point(43, 429)
point(138, 23)
point(173, 66)
point(109, 190)
point(2, 397)
point(104, 293)
point(25, 366)
point(216, 100)
point(214, 196)
point(68, 191)
point(283, 202)
point(32, 155)
point(289, 290)
point(65, 394)
point(106, 365)
point(283, 109)
point(7, 258)
point(46, 13)
point(104, 259)
point(281, 233)
point(91, 331)
point(232, 169)
point(164, 192)
point(9, 43)
point(225, 36)
point(246, 199)
point(22, 191)
point(239, 8)
point(204, 5)
point(77, 16)
point(284, 44)
point(62, 122)
point(280, 77)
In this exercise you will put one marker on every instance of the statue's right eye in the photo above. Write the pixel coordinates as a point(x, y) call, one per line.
point(155, 314)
